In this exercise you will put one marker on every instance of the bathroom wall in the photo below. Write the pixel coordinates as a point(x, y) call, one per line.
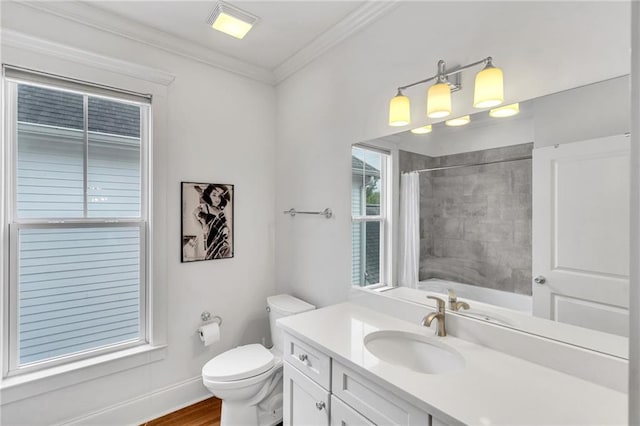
point(219, 127)
point(475, 222)
point(342, 98)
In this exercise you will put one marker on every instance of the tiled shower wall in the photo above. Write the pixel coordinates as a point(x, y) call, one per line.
point(475, 222)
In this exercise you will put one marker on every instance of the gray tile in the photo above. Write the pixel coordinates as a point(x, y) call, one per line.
point(488, 231)
point(522, 280)
point(478, 220)
point(447, 228)
point(486, 183)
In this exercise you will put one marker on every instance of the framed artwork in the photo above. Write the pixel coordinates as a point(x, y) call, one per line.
point(207, 221)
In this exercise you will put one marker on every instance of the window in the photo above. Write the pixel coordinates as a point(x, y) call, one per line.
point(77, 212)
point(370, 213)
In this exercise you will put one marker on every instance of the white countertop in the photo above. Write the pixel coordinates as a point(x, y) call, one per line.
point(492, 389)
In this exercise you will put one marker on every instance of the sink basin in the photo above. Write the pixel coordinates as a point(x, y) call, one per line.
point(413, 351)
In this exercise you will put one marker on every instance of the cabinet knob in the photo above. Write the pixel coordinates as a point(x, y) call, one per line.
point(539, 279)
point(303, 357)
point(320, 405)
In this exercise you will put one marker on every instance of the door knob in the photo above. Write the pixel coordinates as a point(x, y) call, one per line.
point(320, 405)
point(539, 279)
point(303, 357)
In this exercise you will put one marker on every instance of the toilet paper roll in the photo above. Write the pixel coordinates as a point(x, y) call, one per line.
point(209, 333)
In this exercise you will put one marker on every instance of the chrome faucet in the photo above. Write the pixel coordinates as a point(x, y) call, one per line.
point(426, 321)
point(454, 305)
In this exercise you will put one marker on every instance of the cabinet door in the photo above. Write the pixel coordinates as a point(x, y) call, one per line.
point(343, 415)
point(305, 403)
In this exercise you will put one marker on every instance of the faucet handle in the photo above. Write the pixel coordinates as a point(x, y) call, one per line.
point(452, 296)
point(440, 302)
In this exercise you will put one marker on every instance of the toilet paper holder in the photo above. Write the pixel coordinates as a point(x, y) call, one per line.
point(206, 317)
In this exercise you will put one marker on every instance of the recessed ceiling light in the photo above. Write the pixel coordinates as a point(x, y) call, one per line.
point(231, 20)
point(505, 111)
point(422, 130)
point(460, 121)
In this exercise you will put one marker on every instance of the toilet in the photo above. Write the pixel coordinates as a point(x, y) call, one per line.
point(248, 379)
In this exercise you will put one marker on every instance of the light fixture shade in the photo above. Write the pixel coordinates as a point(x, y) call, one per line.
point(439, 100)
point(459, 121)
point(422, 130)
point(231, 20)
point(399, 111)
point(505, 111)
point(488, 90)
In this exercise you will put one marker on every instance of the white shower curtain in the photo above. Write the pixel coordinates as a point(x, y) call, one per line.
point(409, 229)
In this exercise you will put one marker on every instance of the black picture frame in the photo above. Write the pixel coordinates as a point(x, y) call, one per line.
point(207, 221)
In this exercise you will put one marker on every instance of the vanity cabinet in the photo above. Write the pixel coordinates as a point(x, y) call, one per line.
point(319, 390)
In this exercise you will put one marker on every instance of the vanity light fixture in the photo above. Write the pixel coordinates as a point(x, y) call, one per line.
point(458, 121)
point(422, 130)
point(488, 92)
point(231, 20)
point(399, 110)
point(505, 111)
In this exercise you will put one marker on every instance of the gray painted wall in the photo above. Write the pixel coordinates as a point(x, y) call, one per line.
point(475, 222)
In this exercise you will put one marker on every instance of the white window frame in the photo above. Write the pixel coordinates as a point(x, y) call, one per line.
point(384, 218)
point(13, 224)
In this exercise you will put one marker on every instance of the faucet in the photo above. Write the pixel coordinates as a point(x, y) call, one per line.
point(454, 305)
point(426, 321)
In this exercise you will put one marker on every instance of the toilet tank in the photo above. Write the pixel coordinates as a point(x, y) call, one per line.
point(283, 305)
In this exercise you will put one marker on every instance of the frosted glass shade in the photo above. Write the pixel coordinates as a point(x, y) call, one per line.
point(488, 90)
point(439, 100)
point(422, 130)
point(399, 111)
point(459, 121)
point(505, 111)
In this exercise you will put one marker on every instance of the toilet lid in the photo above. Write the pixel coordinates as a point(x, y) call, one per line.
point(239, 363)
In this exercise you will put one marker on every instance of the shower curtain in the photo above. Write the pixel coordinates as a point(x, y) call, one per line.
point(409, 230)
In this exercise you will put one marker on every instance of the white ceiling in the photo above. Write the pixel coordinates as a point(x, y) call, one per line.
point(285, 27)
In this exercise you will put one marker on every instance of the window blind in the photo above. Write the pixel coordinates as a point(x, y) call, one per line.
point(79, 289)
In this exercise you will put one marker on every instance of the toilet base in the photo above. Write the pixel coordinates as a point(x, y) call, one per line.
point(237, 414)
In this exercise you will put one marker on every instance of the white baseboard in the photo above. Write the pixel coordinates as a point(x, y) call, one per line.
point(146, 407)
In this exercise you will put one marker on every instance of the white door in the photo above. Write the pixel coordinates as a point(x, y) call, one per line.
point(581, 233)
point(305, 402)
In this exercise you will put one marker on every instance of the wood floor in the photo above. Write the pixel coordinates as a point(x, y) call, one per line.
point(204, 413)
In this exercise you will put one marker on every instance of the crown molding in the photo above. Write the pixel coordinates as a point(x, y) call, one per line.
point(44, 47)
point(92, 16)
point(347, 27)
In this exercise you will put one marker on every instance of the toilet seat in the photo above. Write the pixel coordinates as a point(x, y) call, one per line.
point(241, 383)
point(239, 363)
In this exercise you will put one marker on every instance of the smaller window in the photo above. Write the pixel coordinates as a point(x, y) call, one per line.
point(369, 213)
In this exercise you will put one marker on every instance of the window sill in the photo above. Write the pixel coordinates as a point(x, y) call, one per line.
point(30, 384)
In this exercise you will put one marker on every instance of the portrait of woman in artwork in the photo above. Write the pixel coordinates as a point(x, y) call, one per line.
point(207, 221)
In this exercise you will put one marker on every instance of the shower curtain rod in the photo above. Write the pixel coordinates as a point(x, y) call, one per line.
point(433, 169)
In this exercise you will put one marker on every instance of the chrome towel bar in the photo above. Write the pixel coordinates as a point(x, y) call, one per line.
point(326, 212)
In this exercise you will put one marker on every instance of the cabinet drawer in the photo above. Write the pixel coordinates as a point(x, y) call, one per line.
point(372, 401)
point(343, 415)
point(309, 360)
point(305, 402)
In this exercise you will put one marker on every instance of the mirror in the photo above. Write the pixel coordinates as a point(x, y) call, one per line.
point(524, 218)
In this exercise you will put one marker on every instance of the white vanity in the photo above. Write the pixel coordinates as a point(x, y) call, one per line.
point(347, 364)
